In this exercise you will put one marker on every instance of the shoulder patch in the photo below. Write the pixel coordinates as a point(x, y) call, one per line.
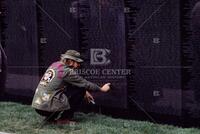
point(48, 76)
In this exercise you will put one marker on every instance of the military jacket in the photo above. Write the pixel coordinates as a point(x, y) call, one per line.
point(49, 94)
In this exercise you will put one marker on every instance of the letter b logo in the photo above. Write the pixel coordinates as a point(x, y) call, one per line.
point(98, 56)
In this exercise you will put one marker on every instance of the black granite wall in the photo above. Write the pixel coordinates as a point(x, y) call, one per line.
point(151, 40)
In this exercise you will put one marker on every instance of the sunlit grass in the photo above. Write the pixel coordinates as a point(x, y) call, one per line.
point(22, 119)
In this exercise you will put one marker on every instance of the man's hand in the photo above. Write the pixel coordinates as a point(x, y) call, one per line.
point(89, 97)
point(106, 87)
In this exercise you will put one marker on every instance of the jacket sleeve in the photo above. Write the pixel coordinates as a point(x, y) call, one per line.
point(73, 78)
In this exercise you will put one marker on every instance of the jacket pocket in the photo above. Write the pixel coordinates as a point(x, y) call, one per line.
point(59, 102)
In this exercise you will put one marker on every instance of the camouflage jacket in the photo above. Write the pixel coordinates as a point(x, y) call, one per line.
point(49, 94)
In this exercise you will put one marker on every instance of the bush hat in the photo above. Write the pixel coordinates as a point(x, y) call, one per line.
point(72, 55)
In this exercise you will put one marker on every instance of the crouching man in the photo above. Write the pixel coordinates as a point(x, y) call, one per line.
point(61, 90)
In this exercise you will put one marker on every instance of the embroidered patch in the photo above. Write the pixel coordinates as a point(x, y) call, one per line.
point(46, 97)
point(48, 76)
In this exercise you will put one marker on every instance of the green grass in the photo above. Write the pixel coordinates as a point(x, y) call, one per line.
point(22, 119)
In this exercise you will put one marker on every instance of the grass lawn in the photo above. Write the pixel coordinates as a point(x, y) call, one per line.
point(22, 119)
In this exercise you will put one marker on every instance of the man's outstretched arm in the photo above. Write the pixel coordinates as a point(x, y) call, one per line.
point(73, 78)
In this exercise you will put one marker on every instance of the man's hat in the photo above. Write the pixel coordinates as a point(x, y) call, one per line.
point(72, 55)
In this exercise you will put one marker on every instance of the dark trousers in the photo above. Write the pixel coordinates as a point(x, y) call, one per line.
point(75, 96)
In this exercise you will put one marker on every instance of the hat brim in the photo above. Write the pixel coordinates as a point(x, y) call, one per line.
point(72, 58)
